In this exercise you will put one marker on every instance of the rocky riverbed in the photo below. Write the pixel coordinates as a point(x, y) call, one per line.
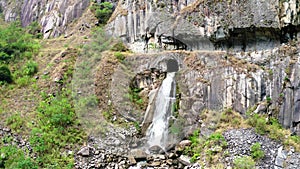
point(239, 143)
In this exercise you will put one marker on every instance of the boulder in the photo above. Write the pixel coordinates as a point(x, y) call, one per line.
point(84, 151)
point(185, 160)
point(138, 154)
point(131, 160)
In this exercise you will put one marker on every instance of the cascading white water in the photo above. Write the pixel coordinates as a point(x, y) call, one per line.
point(157, 132)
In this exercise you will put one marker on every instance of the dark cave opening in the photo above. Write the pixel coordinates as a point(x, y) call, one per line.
point(245, 39)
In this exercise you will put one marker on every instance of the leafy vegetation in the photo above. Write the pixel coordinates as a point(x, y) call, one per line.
point(119, 47)
point(53, 130)
point(102, 11)
point(256, 152)
point(30, 68)
point(15, 43)
point(56, 128)
point(272, 129)
point(35, 29)
point(119, 56)
point(15, 122)
point(210, 148)
point(14, 158)
point(16, 47)
point(134, 96)
point(244, 162)
point(5, 74)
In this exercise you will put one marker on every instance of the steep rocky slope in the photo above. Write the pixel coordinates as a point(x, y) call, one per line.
point(206, 25)
point(53, 16)
point(223, 79)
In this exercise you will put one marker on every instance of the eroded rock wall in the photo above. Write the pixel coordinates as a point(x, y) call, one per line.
point(269, 80)
point(54, 16)
point(204, 24)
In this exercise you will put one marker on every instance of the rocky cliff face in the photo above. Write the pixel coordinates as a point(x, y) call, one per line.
point(267, 81)
point(200, 24)
point(265, 76)
point(54, 16)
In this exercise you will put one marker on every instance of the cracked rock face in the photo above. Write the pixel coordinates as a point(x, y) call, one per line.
point(267, 80)
point(54, 16)
point(213, 80)
point(204, 24)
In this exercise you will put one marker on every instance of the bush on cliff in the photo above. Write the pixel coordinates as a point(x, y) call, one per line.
point(102, 11)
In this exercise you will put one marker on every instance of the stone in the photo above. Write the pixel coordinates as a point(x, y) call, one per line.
point(131, 160)
point(122, 136)
point(138, 154)
point(216, 149)
point(159, 156)
point(184, 160)
point(172, 155)
point(185, 143)
point(276, 167)
point(281, 153)
point(155, 164)
point(57, 79)
point(169, 161)
point(6, 129)
point(279, 161)
point(156, 150)
point(84, 151)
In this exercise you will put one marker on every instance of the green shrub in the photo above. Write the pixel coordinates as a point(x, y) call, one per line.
point(30, 68)
point(259, 122)
point(35, 29)
point(134, 96)
point(15, 43)
point(195, 157)
point(57, 112)
point(119, 47)
point(275, 130)
point(55, 129)
point(195, 137)
point(119, 56)
point(5, 74)
point(102, 11)
point(256, 152)
point(209, 148)
point(23, 81)
point(244, 162)
point(14, 158)
point(269, 99)
point(15, 122)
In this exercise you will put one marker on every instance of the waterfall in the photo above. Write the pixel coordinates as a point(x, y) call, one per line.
point(157, 132)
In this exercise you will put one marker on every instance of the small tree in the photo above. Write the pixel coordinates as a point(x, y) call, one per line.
point(102, 11)
point(256, 151)
point(30, 68)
